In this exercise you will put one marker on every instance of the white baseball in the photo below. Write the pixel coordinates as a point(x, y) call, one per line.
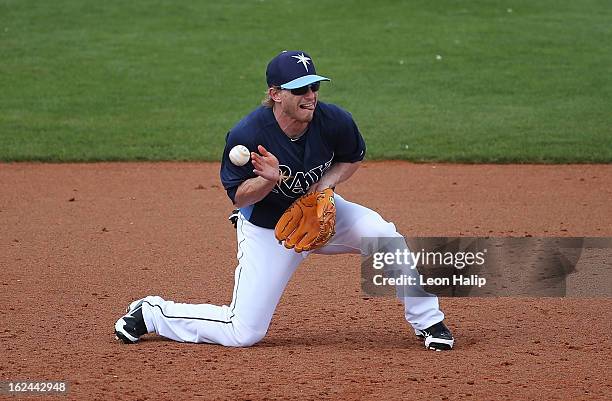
point(239, 155)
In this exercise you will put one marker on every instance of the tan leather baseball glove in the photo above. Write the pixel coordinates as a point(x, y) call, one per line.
point(309, 222)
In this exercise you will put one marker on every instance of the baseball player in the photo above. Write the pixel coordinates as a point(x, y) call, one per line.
point(298, 145)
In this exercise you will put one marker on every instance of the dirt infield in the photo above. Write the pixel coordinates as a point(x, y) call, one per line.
point(78, 242)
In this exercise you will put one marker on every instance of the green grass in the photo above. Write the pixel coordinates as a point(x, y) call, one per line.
point(165, 80)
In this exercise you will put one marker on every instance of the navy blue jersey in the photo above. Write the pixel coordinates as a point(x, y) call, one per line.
point(332, 136)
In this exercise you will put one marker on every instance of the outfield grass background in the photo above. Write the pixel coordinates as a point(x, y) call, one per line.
point(518, 81)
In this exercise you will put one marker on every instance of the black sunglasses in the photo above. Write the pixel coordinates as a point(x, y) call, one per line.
point(304, 89)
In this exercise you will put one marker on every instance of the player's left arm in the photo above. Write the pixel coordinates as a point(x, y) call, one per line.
point(349, 151)
point(337, 173)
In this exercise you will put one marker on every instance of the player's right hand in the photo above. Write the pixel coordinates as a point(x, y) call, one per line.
point(266, 164)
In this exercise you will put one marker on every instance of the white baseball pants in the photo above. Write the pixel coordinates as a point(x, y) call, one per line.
point(264, 269)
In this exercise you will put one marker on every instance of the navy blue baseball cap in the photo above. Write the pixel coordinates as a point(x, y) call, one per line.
point(292, 69)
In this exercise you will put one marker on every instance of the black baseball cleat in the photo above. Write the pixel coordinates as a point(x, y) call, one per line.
point(437, 337)
point(131, 326)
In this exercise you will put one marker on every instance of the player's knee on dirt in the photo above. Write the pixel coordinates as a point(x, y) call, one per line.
point(247, 338)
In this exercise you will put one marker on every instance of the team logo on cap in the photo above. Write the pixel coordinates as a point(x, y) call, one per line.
point(303, 59)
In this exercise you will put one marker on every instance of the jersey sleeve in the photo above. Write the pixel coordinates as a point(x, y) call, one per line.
point(349, 145)
point(231, 175)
